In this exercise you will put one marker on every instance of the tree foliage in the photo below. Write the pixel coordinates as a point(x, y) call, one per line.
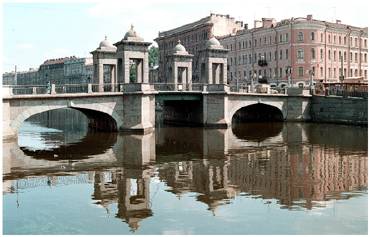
point(153, 56)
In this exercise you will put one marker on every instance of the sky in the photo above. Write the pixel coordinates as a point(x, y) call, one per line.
point(35, 31)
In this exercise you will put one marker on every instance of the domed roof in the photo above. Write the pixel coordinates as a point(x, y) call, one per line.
point(213, 42)
point(179, 47)
point(106, 44)
point(130, 33)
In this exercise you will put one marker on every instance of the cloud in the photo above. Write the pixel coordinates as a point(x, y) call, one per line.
point(24, 46)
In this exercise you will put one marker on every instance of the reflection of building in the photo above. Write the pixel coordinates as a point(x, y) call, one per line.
point(295, 176)
point(208, 178)
point(129, 187)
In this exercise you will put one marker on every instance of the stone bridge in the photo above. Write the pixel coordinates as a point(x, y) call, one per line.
point(134, 111)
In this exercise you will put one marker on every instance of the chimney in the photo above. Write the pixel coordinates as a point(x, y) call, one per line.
point(309, 17)
point(268, 22)
point(338, 21)
point(246, 26)
point(257, 23)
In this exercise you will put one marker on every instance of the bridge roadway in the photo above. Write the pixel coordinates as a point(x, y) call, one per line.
point(134, 111)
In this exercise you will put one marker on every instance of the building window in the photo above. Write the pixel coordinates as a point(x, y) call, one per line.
point(345, 57)
point(351, 42)
point(365, 71)
point(329, 70)
point(300, 36)
point(321, 37)
point(351, 73)
point(280, 38)
point(340, 56)
point(281, 73)
point(313, 54)
point(286, 37)
point(335, 72)
point(321, 71)
point(350, 56)
point(335, 56)
point(269, 56)
point(345, 72)
point(355, 42)
point(334, 39)
point(365, 43)
point(329, 38)
point(356, 72)
point(300, 54)
point(365, 57)
point(281, 54)
point(340, 39)
point(300, 71)
point(321, 54)
point(355, 57)
point(286, 54)
point(250, 44)
point(344, 40)
point(329, 54)
point(312, 35)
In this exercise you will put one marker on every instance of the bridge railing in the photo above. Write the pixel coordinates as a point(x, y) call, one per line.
point(178, 87)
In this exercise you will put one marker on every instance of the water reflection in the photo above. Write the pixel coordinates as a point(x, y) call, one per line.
point(298, 166)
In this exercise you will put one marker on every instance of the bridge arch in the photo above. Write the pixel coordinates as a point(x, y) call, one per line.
point(101, 117)
point(258, 112)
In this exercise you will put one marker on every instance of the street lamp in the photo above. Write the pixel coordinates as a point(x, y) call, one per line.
point(312, 74)
point(288, 71)
point(252, 81)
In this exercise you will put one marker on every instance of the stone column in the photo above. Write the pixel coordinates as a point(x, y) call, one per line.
point(113, 77)
point(139, 71)
point(145, 68)
point(189, 77)
point(215, 110)
point(101, 77)
point(138, 112)
point(209, 72)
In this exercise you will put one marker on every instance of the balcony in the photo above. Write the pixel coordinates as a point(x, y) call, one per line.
point(262, 62)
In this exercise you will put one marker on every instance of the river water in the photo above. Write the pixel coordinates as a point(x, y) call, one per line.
point(268, 178)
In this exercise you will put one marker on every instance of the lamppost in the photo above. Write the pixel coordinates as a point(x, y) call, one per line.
point(312, 74)
point(341, 77)
point(288, 71)
point(254, 76)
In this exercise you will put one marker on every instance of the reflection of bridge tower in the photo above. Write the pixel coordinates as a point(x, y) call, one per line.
point(214, 185)
point(105, 187)
point(134, 199)
point(104, 57)
point(136, 150)
point(180, 68)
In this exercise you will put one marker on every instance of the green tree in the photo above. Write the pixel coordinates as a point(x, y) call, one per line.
point(153, 56)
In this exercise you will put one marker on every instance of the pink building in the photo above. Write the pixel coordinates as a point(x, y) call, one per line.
point(304, 44)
